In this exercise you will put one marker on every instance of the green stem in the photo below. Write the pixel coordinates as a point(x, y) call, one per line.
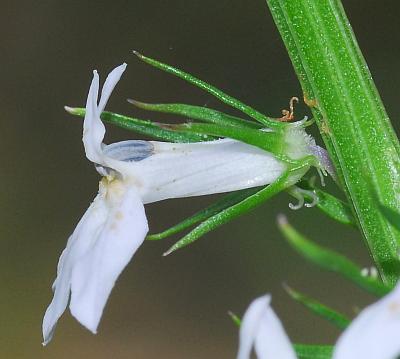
point(338, 87)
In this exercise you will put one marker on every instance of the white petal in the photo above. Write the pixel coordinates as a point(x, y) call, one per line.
point(183, 170)
point(93, 128)
point(262, 328)
point(102, 244)
point(79, 243)
point(272, 341)
point(95, 273)
point(375, 333)
point(108, 87)
point(250, 324)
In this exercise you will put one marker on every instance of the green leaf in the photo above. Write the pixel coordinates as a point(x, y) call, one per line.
point(202, 215)
point(392, 216)
point(330, 260)
point(197, 113)
point(351, 117)
point(318, 308)
point(267, 121)
point(232, 212)
point(144, 127)
point(305, 351)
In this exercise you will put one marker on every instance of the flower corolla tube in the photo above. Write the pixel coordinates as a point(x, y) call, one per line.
point(135, 173)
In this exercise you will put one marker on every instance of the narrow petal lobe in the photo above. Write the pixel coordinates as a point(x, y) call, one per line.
point(262, 329)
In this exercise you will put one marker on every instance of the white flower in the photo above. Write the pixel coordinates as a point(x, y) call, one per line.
point(373, 334)
point(135, 173)
point(262, 329)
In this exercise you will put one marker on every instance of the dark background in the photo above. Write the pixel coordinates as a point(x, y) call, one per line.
point(172, 307)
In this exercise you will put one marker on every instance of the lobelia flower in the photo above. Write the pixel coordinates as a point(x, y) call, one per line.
point(135, 173)
point(373, 334)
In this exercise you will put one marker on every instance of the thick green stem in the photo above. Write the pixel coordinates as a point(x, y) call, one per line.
point(338, 87)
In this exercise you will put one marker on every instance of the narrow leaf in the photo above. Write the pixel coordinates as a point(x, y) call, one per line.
point(268, 121)
point(207, 212)
point(305, 351)
point(197, 113)
point(330, 260)
point(144, 127)
point(319, 309)
point(230, 213)
point(392, 216)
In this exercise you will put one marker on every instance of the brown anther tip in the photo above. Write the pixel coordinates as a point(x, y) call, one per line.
point(288, 115)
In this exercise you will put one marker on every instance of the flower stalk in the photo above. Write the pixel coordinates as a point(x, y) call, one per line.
point(339, 89)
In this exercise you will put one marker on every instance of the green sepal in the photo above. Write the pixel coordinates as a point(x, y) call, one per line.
point(392, 216)
point(330, 260)
point(197, 113)
point(205, 213)
point(306, 351)
point(229, 100)
point(232, 212)
point(319, 309)
point(145, 127)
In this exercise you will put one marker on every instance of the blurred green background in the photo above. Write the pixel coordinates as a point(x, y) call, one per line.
point(174, 307)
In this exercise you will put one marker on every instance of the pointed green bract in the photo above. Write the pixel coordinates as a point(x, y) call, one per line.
point(305, 351)
point(330, 260)
point(318, 308)
point(145, 127)
point(207, 212)
point(197, 113)
point(229, 100)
